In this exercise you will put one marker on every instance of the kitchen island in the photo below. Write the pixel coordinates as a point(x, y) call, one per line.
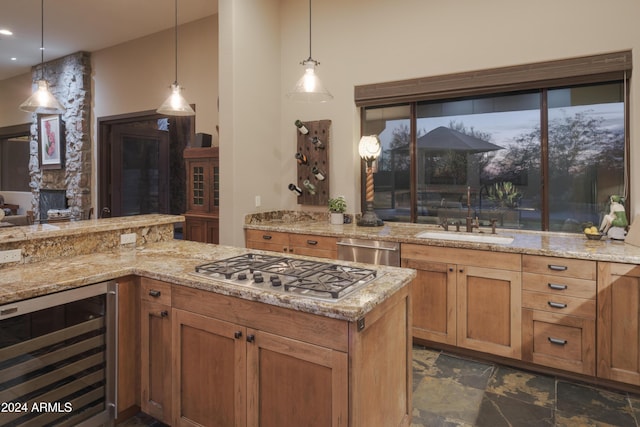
point(276, 359)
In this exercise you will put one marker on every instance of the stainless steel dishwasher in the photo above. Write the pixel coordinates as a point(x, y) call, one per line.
point(369, 251)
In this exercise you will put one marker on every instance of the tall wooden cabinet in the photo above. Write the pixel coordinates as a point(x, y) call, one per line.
point(203, 194)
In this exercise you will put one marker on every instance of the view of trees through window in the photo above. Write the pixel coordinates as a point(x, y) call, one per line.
point(492, 157)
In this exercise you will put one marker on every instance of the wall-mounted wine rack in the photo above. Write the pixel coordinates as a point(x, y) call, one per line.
point(318, 157)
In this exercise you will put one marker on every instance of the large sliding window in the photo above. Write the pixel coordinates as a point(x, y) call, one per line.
point(537, 158)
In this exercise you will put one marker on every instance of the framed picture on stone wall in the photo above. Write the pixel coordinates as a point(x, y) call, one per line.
point(51, 142)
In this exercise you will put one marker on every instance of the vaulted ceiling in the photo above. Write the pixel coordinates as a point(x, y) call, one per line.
point(84, 25)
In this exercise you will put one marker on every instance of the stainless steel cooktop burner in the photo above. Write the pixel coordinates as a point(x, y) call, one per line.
point(314, 279)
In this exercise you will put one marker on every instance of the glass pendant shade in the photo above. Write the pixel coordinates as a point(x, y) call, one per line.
point(42, 101)
point(309, 88)
point(175, 104)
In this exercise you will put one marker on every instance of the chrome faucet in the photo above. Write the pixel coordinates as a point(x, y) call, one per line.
point(444, 223)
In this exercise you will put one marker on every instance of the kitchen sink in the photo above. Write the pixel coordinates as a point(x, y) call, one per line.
point(465, 237)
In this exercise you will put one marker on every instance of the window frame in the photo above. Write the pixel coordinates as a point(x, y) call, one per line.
point(542, 76)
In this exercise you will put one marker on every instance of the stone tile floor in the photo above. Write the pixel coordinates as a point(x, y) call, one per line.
point(450, 391)
point(453, 391)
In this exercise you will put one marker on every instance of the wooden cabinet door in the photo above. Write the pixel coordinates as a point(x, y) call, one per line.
point(489, 310)
point(199, 181)
point(291, 383)
point(209, 371)
point(618, 330)
point(155, 352)
point(195, 229)
point(433, 295)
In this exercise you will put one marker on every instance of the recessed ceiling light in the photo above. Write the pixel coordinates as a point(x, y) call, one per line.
point(5, 32)
point(14, 59)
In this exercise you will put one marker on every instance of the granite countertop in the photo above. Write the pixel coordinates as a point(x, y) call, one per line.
point(568, 245)
point(74, 228)
point(174, 261)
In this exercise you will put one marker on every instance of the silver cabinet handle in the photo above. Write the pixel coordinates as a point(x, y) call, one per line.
point(557, 341)
point(556, 304)
point(10, 310)
point(367, 247)
point(557, 287)
point(558, 267)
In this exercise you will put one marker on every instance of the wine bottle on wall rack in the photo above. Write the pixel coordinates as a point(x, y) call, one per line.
point(309, 186)
point(295, 189)
point(317, 143)
point(301, 158)
point(301, 127)
point(320, 175)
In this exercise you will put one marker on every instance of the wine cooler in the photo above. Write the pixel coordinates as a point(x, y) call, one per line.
point(57, 358)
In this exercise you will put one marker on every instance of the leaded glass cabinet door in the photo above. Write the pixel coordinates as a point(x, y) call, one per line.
point(198, 186)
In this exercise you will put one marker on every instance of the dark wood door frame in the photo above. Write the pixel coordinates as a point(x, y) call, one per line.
point(181, 133)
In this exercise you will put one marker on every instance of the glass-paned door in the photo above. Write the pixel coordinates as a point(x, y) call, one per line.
point(140, 173)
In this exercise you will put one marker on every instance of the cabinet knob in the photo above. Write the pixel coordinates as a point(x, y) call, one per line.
point(266, 237)
point(312, 242)
point(461, 270)
point(451, 269)
point(164, 313)
point(237, 334)
point(154, 293)
point(251, 338)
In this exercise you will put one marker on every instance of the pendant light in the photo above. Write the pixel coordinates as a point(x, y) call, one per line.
point(175, 104)
point(42, 100)
point(309, 88)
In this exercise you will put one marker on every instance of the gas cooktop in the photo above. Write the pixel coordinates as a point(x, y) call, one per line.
point(323, 280)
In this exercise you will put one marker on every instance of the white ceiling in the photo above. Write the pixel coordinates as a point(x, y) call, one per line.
point(84, 25)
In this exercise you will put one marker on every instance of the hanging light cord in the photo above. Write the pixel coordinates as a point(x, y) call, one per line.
point(41, 39)
point(176, 38)
point(310, 31)
point(310, 59)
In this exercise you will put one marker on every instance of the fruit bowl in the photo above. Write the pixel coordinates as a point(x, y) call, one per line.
point(592, 236)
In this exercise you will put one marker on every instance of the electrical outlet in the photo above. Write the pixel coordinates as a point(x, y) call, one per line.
point(258, 201)
point(127, 239)
point(13, 255)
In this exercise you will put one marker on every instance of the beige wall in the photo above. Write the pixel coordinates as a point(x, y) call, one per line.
point(369, 41)
point(357, 42)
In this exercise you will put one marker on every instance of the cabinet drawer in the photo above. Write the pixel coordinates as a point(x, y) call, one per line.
point(565, 267)
point(563, 342)
point(555, 285)
point(313, 242)
point(561, 304)
point(270, 237)
point(155, 291)
point(469, 257)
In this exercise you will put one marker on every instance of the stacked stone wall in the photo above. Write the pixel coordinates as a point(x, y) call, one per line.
point(69, 80)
